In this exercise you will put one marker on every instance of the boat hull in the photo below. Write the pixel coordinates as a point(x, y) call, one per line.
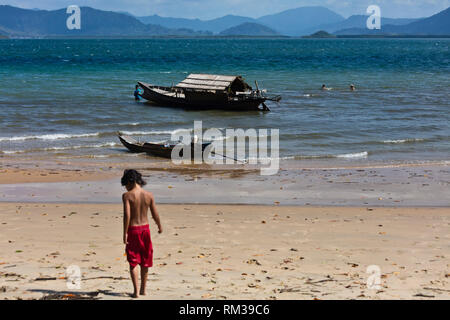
point(205, 102)
point(155, 149)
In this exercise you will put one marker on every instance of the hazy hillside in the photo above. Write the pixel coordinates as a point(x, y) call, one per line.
point(290, 22)
point(214, 25)
point(220, 24)
point(438, 24)
point(35, 23)
point(358, 21)
point(249, 29)
point(297, 22)
point(173, 23)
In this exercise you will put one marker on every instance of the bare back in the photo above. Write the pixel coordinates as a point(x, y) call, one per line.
point(139, 201)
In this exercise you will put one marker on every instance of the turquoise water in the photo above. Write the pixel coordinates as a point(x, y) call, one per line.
point(67, 98)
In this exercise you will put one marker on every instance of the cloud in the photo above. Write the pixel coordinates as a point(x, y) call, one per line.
point(207, 9)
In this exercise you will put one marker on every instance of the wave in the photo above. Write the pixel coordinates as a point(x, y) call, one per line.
point(355, 155)
point(363, 154)
point(55, 136)
point(402, 141)
point(128, 124)
point(155, 132)
point(61, 136)
point(102, 145)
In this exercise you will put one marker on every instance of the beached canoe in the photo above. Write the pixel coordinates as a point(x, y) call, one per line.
point(208, 91)
point(154, 149)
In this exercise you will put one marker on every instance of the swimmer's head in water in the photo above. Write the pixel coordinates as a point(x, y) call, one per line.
point(130, 177)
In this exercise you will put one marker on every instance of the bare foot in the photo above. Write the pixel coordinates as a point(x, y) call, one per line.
point(143, 293)
point(134, 295)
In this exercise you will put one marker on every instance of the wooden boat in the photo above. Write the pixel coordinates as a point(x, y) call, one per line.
point(208, 91)
point(154, 149)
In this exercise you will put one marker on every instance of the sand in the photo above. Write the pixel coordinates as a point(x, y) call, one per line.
point(388, 186)
point(229, 252)
point(27, 175)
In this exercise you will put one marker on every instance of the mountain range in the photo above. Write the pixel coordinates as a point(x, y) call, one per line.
point(291, 22)
point(438, 24)
point(356, 21)
point(17, 22)
point(215, 25)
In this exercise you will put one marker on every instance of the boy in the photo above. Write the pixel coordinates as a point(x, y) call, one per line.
point(136, 231)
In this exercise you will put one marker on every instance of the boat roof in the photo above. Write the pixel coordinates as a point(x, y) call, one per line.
point(207, 81)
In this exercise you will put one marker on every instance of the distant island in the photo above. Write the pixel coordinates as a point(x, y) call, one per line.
point(249, 29)
point(320, 34)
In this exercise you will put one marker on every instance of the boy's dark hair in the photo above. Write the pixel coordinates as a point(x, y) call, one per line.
point(132, 176)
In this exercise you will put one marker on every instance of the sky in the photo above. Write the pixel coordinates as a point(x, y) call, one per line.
point(209, 9)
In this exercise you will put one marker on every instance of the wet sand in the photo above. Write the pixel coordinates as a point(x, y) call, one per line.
point(229, 252)
point(27, 175)
point(388, 186)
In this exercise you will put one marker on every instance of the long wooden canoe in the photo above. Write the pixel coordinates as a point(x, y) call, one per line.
point(154, 149)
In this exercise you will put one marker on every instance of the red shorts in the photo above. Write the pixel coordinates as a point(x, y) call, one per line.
point(139, 247)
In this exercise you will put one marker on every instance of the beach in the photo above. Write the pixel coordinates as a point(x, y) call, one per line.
point(317, 246)
point(228, 252)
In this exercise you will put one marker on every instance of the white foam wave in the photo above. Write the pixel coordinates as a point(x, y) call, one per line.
point(129, 124)
point(102, 145)
point(363, 154)
point(55, 136)
point(156, 132)
point(108, 144)
point(402, 140)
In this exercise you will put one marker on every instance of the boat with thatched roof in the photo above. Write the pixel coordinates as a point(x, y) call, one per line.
point(209, 91)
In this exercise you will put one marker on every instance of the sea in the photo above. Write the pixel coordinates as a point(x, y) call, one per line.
point(67, 99)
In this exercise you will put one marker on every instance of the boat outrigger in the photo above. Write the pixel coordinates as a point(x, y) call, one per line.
point(155, 149)
point(208, 91)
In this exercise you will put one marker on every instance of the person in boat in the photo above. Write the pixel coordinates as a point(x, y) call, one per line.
point(136, 231)
point(352, 87)
point(136, 93)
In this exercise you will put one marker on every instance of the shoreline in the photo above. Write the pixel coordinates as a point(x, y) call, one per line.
point(384, 186)
point(83, 171)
